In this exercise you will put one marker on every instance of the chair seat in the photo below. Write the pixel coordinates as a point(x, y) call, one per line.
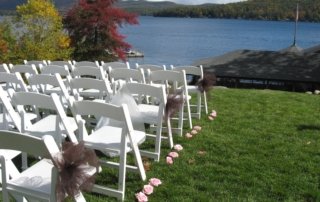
point(29, 116)
point(193, 89)
point(149, 113)
point(108, 138)
point(47, 126)
point(36, 179)
point(91, 93)
point(9, 154)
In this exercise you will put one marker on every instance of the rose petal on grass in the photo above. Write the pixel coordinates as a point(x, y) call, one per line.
point(141, 197)
point(155, 182)
point(197, 128)
point(188, 135)
point(194, 132)
point(148, 189)
point(173, 154)
point(178, 147)
point(169, 160)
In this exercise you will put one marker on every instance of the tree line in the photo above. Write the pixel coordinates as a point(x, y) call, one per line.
point(309, 10)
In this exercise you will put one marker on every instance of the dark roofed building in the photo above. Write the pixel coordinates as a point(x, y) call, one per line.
point(288, 69)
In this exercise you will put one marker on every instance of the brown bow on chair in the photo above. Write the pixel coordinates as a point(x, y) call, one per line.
point(207, 82)
point(73, 163)
point(174, 103)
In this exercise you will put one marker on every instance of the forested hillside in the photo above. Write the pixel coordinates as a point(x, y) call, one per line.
point(251, 9)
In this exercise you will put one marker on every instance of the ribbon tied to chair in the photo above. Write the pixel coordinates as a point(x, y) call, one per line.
point(73, 163)
point(207, 82)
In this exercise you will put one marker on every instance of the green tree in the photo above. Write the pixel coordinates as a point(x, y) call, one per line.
point(93, 28)
point(39, 32)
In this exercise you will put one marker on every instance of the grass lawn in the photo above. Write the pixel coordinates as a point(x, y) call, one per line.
point(263, 146)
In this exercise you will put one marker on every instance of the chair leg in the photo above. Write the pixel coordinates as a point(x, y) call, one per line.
point(122, 168)
point(199, 105)
point(205, 102)
point(189, 112)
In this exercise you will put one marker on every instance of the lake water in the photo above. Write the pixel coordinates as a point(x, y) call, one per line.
point(181, 41)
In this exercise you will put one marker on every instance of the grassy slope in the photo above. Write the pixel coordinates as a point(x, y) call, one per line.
point(263, 146)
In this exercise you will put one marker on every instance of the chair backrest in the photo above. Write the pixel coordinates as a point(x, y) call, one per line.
point(177, 78)
point(40, 82)
point(103, 87)
point(87, 64)
point(37, 63)
point(143, 90)
point(190, 70)
point(115, 65)
point(26, 143)
point(152, 67)
point(128, 75)
point(42, 101)
point(62, 63)
point(25, 70)
point(52, 69)
point(88, 71)
point(13, 80)
point(106, 110)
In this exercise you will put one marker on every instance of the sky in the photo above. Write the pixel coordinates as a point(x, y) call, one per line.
point(194, 2)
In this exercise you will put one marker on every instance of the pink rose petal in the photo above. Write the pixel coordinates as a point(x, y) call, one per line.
point(197, 128)
point(141, 197)
point(194, 132)
point(178, 147)
point(169, 160)
point(188, 135)
point(213, 113)
point(155, 182)
point(148, 189)
point(173, 154)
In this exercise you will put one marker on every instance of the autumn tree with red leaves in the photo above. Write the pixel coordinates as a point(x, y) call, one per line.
point(93, 29)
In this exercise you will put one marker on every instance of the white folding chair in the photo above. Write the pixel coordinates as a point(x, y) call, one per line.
point(152, 113)
point(194, 71)
point(113, 140)
point(178, 83)
point(52, 119)
point(118, 77)
point(39, 181)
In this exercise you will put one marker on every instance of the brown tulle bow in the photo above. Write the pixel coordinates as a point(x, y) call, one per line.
point(73, 164)
point(207, 82)
point(174, 103)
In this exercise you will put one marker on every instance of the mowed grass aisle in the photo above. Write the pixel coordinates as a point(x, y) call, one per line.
point(263, 146)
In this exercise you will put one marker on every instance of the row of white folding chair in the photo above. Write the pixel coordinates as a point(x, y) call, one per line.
point(97, 109)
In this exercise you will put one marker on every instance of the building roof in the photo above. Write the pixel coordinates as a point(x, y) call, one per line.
point(291, 64)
